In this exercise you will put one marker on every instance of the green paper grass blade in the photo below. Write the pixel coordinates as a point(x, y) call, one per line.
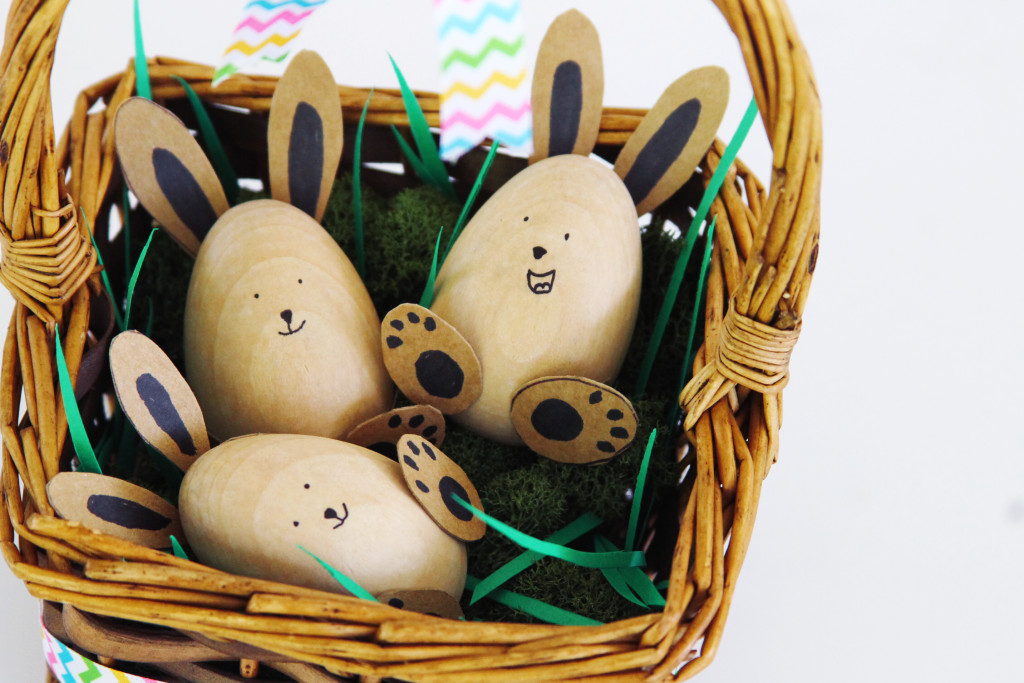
point(643, 587)
point(477, 184)
point(218, 157)
point(688, 366)
point(638, 494)
point(357, 192)
point(697, 308)
point(135, 278)
point(103, 275)
point(619, 558)
point(630, 582)
point(614, 575)
point(717, 178)
point(83, 449)
point(127, 233)
point(535, 608)
point(428, 291)
point(347, 583)
point(414, 160)
point(177, 549)
point(141, 67)
point(429, 154)
point(503, 574)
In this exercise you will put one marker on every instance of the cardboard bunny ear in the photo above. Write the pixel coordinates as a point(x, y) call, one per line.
point(167, 170)
point(663, 151)
point(305, 136)
point(568, 87)
point(115, 507)
point(157, 400)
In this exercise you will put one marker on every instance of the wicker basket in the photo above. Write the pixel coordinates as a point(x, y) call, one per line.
point(766, 248)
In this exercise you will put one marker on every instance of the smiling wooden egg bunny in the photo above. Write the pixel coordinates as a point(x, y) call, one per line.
point(280, 333)
point(535, 305)
point(253, 504)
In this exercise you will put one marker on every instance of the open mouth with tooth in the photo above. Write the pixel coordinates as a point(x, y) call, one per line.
point(291, 331)
point(540, 283)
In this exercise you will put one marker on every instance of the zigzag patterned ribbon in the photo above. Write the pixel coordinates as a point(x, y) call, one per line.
point(485, 91)
point(266, 28)
point(70, 667)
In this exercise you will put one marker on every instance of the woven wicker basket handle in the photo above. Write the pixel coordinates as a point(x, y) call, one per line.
point(752, 344)
point(47, 255)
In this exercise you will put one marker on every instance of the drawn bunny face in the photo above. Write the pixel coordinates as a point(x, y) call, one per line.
point(280, 332)
point(347, 505)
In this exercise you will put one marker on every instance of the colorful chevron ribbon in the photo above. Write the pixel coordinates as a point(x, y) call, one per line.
point(485, 92)
point(266, 28)
point(70, 667)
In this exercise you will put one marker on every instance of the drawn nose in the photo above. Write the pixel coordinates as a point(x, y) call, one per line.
point(286, 315)
point(539, 252)
point(330, 513)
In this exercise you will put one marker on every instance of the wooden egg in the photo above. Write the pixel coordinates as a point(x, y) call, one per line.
point(248, 504)
point(280, 333)
point(545, 280)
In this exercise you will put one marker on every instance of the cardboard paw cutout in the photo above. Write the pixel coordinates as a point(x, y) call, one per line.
point(280, 332)
point(545, 279)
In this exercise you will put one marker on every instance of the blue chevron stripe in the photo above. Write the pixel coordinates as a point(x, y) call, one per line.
point(65, 657)
point(470, 26)
point(505, 139)
point(272, 5)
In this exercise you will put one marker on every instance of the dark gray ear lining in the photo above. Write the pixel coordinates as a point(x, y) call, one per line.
point(662, 150)
point(126, 513)
point(183, 192)
point(306, 158)
point(161, 408)
point(566, 108)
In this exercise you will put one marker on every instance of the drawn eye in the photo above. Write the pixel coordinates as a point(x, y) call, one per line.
point(256, 296)
point(526, 218)
point(295, 523)
point(300, 280)
point(566, 237)
point(306, 486)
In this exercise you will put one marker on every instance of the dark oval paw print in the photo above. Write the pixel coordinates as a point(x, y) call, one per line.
point(573, 419)
point(429, 360)
point(382, 432)
point(435, 481)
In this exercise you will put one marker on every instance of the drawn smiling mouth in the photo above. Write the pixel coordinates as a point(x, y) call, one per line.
point(540, 283)
point(331, 513)
point(291, 331)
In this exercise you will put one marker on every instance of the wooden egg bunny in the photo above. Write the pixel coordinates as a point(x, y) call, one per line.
point(252, 504)
point(535, 305)
point(280, 333)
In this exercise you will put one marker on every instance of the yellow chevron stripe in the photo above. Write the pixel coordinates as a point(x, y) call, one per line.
point(476, 93)
point(250, 50)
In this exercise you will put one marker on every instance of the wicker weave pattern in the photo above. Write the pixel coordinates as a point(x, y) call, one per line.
point(766, 249)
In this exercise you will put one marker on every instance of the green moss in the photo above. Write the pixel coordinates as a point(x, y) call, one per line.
point(533, 494)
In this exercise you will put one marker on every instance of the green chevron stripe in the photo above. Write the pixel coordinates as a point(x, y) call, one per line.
point(493, 45)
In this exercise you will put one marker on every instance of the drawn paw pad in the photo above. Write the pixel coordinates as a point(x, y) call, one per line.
point(434, 480)
point(382, 432)
point(573, 419)
point(434, 603)
point(429, 360)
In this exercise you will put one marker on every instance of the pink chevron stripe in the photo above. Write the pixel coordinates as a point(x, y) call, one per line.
point(284, 15)
point(499, 109)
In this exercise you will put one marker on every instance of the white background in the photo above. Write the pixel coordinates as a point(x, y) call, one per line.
point(890, 540)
